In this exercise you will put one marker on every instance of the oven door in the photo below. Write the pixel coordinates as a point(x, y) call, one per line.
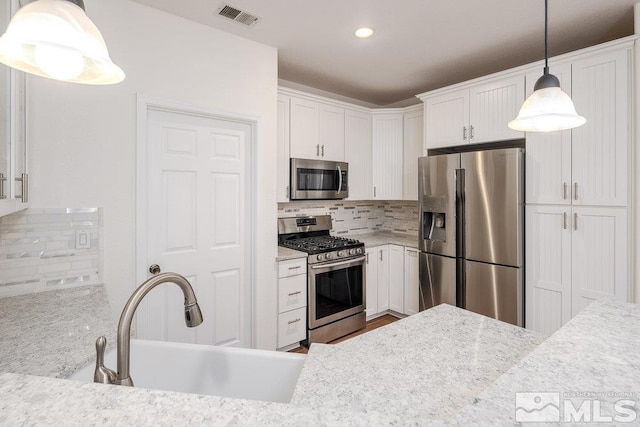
point(319, 179)
point(336, 291)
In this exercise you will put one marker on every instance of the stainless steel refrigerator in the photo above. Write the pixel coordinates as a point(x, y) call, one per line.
point(471, 232)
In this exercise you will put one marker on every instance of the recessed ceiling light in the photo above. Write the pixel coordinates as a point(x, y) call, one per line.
point(363, 33)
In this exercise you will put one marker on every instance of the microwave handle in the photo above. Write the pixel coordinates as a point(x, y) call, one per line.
point(339, 180)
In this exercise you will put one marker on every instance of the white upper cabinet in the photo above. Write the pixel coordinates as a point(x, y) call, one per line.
point(548, 157)
point(600, 149)
point(492, 106)
point(282, 192)
point(413, 149)
point(387, 156)
point(473, 115)
point(357, 152)
point(447, 119)
point(316, 130)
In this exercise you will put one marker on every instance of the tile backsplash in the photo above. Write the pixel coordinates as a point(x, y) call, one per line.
point(359, 217)
point(39, 252)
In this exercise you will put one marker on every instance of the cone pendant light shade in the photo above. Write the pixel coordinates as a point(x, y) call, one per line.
point(548, 108)
point(56, 39)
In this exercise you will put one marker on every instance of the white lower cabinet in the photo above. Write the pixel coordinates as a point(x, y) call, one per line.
point(396, 278)
point(392, 280)
point(411, 281)
point(574, 255)
point(292, 302)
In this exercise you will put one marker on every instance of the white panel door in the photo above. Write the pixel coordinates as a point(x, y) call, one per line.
point(548, 157)
point(304, 130)
point(411, 281)
point(387, 156)
point(197, 199)
point(331, 128)
point(600, 255)
point(492, 106)
point(413, 149)
point(282, 193)
point(371, 288)
point(396, 278)
point(382, 253)
point(446, 119)
point(548, 268)
point(601, 93)
point(357, 152)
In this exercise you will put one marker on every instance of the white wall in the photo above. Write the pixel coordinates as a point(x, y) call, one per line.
point(83, 138)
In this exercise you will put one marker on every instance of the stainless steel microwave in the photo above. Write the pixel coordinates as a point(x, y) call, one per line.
point(319, 179)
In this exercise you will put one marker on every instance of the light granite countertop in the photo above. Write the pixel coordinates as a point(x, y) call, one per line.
point(53, 333)
point(370, 240)
point(443, 366)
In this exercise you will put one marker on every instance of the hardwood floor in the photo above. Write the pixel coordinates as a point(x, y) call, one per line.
point(371, 325)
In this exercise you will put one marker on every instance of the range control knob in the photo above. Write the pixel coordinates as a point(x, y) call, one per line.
point(359, 250)
point(352, 251)
point(328, 256)
point(340, 253)
point(320, 257)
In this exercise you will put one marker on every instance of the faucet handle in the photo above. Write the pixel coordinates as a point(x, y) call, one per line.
point(102, 374)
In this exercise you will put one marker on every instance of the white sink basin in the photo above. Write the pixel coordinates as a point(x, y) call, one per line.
point(221, 371)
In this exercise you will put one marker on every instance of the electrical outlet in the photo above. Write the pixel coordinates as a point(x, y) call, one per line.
point(83, 239)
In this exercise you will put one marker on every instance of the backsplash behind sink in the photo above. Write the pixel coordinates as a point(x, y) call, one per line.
point(38, 250)
point(359, 217)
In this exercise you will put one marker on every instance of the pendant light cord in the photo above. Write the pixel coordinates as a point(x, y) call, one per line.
point(546, 36)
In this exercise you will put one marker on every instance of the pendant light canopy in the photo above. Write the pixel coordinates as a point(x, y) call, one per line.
point(56, 39)
point(548, 108)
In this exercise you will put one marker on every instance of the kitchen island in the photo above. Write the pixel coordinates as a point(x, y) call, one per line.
point(444, 366)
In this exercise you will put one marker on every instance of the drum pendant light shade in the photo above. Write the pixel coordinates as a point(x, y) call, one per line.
point(56, 39)
point(548, 108)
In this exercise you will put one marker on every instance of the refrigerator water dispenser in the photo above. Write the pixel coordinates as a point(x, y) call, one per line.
point(434, 226)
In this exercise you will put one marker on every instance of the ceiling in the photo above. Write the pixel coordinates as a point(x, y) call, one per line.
point(419, 45)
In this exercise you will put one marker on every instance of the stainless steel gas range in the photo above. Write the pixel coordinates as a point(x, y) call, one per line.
point(335, 276)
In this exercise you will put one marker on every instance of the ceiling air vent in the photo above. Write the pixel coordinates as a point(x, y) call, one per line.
point(237, 15)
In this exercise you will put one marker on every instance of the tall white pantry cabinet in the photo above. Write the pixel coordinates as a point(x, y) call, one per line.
point(577, 193)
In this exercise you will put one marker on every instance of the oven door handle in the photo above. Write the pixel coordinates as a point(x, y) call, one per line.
point(339, 264)
point(339, 181)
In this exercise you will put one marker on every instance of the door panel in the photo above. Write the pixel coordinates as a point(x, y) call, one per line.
point(371, 281)
point(396, 278)
point(357, 152)
point(493, 206)
point(494, 291)
point(492, 106)
point(383, 277)
point(411, 281)
point(304, 130)
point(447, 119)
point(198, 192)
point(437, 189)
point(437, 281)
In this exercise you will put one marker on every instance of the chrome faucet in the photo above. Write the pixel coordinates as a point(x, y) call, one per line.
point(192, 317)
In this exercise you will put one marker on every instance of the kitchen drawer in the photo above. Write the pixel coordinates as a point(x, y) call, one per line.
point(292, 327)
point(292, 267)
point(292, 293)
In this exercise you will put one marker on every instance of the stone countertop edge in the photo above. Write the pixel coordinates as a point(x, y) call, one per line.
point(370, 240)
point(399, 367)
point(50, 341)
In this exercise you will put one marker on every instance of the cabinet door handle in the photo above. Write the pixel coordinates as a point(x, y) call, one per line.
point(464, 133)
point(24, 180)
point(295, 268)
point(2, 181)
point(318, 150)
point(565, 187)
point(471, 132)
point(575, 221)
point(322, 150)
point(367, 255)
point(575, 190)
point(286, 192)
point(564, 220)
point(381, 255)
point(295, 293)
point(374, 191)
point(291, 322)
